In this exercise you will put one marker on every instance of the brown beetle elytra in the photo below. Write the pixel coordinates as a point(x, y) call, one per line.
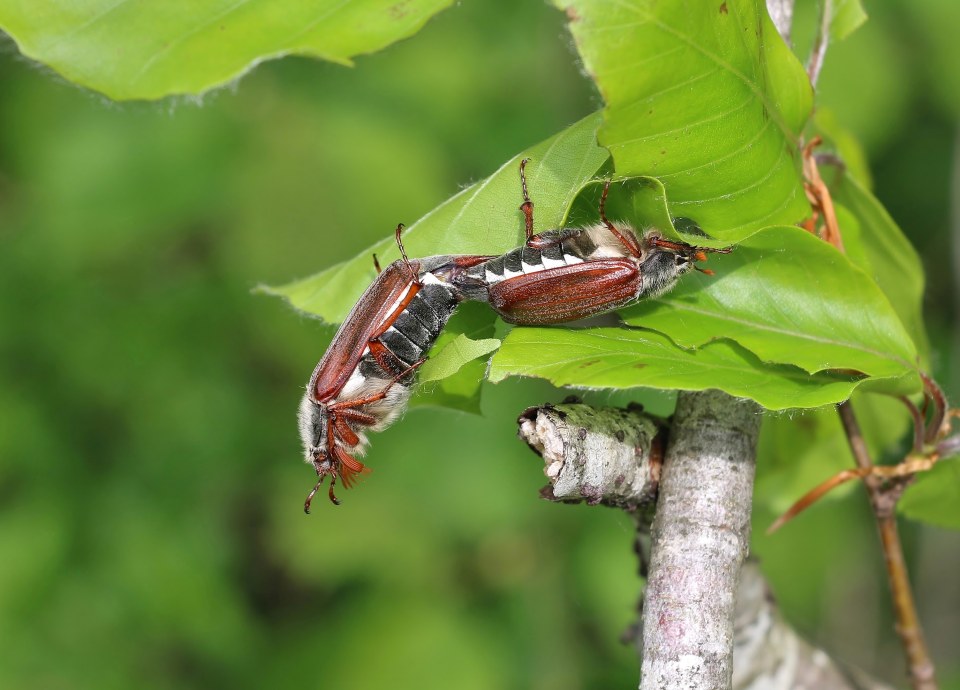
point(363, 381)
point(572, 273)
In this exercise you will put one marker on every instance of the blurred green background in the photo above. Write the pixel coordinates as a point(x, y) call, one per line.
point(151, 479)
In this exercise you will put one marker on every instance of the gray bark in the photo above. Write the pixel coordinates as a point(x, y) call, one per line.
point(769, 655)
point(700, 538)
point(604, 455)
point(614, 457)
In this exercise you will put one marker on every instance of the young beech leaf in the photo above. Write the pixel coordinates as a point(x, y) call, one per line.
point(154, 49)
point(453, 373)
point(704, 96)
point(482, 219)
point(638, 200)
point(451, 358)
point(935, 497)
point(790, 298)
point(629, 357)
point(847, 16)
point(887, 255)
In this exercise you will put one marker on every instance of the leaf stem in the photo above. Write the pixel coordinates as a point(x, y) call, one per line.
point(819, 50)
point(781, 12)
point(883, 499)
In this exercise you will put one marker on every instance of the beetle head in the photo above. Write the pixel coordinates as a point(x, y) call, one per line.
point(664, 261)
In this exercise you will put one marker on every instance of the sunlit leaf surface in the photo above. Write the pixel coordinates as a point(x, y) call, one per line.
point(887, 255)
point(935, 496)
point(707, 98)
point(624, 358)
point(127, 49)
point(454, 355)
point(848, 16)
point(789, 298)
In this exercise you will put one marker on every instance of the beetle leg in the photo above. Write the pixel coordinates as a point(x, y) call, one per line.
point(552, 237)
point(358, 416)
point(344, 431)
point(350, 467)
point(630, 245)
point(527, 205)
point(346, 404)
point(322, 473)
point(388, 361)
point(377, 349)
point(376, 264)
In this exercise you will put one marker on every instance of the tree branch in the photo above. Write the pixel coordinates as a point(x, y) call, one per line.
point(820, 43)
point(769, 655)
point(598, 455)
point(700, 538)
point(612, 456)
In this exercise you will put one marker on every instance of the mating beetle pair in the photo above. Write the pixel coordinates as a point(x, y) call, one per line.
point(364, 380)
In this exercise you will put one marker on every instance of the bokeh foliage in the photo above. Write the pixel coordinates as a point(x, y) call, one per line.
point(151, 475)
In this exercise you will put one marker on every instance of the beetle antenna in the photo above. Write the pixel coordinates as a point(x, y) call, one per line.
point(376, 265)
point(631, 246)
point(700, 253)
point(527, 205)
point(406, 261)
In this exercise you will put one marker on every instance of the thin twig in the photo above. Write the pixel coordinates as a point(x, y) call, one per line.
point(883, 498)
point(781, 12)
point(918, 424)
point(818, 194)
point(819, 50)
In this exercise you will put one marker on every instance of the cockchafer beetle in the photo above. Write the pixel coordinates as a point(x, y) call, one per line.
point(572, 273)
point(364, 379)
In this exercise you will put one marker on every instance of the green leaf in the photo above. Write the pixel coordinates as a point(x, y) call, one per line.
point(848, 16)
point(935, 497)
point(150, 50)
point(889, 257)
point(482, 219)
point(789, 298)
point(641, 201)
point(626, 358)
point(704, 96)
point(449, 360)
point(455, 381)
